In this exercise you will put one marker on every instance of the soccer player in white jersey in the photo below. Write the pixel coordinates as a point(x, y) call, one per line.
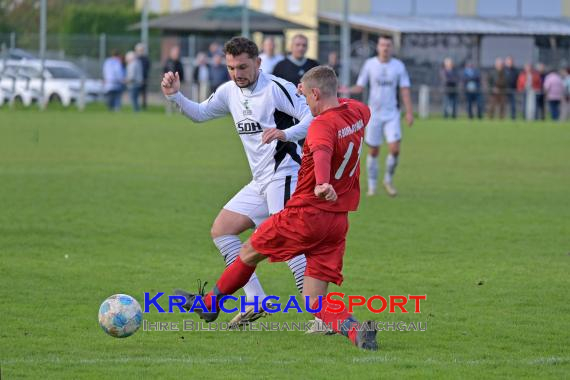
point(383, 75)
point(270, 119)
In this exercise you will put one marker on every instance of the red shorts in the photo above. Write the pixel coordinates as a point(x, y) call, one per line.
point(319, 235)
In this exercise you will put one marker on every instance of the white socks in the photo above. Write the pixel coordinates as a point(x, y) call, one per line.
point(297, 266)
point(229, 246)
point(372, 166)
point(391, 164)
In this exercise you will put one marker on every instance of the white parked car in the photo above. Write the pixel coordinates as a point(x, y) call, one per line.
point(15, 87)
point(62, 82)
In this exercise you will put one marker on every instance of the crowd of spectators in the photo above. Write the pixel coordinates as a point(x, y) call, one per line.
point(505, 90)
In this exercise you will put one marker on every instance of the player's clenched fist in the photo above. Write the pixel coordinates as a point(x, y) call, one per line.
point(170, 83)
point(326, 191)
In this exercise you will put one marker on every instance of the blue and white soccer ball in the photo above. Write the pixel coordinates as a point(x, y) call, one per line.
point(120, 315)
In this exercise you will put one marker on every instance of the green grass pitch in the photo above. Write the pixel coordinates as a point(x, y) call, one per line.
point(93, 204)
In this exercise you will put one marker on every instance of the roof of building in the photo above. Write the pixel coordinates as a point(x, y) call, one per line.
point(454, 24)
point(220, 19)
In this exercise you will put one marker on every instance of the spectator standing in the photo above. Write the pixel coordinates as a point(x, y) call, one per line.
point(214, 49)
point(142, 55)
point(553, 92)
point(540, 105)
point(268, 57)
point(567, 94)
point(450, 82)
point(527, 81)
point(472, 88)
point(333, 62)
point(296, 64)
point(134, 78)
point(173, 63)
point(498, 87)
point(113, 80)
point(218, 72)
point(511, 74)
point(202, 76)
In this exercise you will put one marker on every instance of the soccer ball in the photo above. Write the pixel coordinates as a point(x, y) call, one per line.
point(120, 315)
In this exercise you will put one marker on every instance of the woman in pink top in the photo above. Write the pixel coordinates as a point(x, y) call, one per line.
point(554, 91)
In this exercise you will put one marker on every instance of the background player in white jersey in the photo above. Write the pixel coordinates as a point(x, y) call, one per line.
point(384, 75)
point(270, 119)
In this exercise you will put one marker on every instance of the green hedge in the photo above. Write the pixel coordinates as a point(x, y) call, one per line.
point(92, 20)
point(95, 19)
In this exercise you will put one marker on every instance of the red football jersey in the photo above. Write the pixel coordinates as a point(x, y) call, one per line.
point(341, 130)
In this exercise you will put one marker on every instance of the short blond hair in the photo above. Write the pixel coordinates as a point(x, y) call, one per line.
point(323, 78)
point(300, 35)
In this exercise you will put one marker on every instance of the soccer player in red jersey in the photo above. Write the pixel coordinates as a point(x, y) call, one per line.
point(315, 219)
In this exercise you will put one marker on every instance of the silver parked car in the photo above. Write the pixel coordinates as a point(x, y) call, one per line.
point(64, 82)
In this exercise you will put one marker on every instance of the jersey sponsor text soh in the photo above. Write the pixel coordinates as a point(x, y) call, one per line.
point(269, 103)
point(248, 127)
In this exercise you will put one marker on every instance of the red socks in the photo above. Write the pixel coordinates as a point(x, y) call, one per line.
point(342, 323)
point(238, 274)
point(234, 278)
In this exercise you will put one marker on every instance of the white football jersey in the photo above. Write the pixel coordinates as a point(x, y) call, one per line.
point(383, 79)
point(270, 103)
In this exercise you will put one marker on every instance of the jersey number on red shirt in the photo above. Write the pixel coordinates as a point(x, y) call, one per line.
point(347, 156)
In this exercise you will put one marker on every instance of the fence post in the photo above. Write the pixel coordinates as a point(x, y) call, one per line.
point(4, 54)
point(144, 25)
point(13, 40)
point(530, 105)
point(102, 49)
point(81, 98)
point(43, 101)
point(192, 51)
point(423, 102)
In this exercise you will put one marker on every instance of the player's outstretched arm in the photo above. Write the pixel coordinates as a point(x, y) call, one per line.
point(345, 90)
point(361, 82)
point(213, 107)
point(299, 130)
point(407, 98)
point(322, 160)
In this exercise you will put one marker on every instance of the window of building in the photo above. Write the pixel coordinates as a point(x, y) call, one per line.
point(390, 7)
point(436, 7)
point(175, 5)
point(268, 6)
point(294, 6)
point(197, 3)
point(542, 8)
point(497, 8)
point(521, 48)
point(154, 6)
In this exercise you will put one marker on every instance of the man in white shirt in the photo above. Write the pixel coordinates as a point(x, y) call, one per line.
point(270, 118)
point(384, 75)
point(268, 58)
point(113, 80)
